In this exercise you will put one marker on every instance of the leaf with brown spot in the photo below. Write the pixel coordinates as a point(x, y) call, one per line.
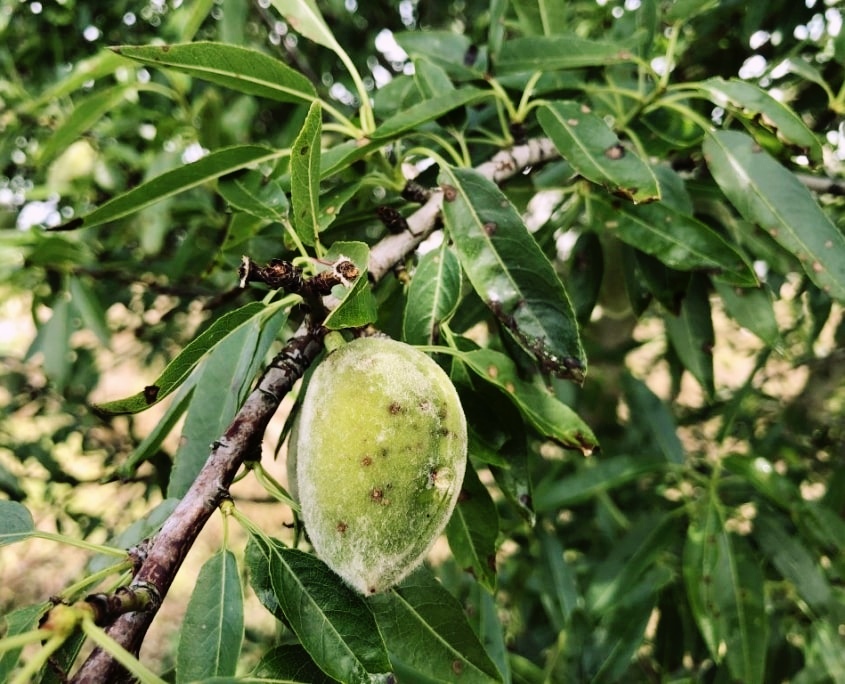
point(591, 146)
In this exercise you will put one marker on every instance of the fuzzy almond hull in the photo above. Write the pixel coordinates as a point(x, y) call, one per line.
point(380, 459)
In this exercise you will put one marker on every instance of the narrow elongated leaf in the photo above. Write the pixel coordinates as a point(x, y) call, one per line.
point(254, 193)
point(357, 305)
point(213, 627)
point(679, 241)
point(426, 630)
point(594, 151)
point(241, 69)
point(225, 379)
point(472, 531)
point(151, 444)
point(562, 595)
point(491, 631)
point(333, 623)
point(622, 631)
point(548, 53)
point(84, 71)
point(551, 417)
point(793, 560)
point(83, 116)
point(765, 193)
point(594, 478)
point(725, 590)
point(305, 177)
point(85, 301)
point(173, 182)
point(584, 279)
point(179, 368)
point(650, 415)
point(510, 272)
point(427, 110)
point(15, 522)
point(753, 101)
point(433, 295)
point(304, 17)
point(691, 334)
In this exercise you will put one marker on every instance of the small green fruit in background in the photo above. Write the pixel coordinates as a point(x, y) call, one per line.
point(380, 453)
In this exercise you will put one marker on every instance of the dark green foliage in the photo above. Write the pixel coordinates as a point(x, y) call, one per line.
point(674, 246)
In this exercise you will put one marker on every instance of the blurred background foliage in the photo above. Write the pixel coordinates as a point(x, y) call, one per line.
point(87, 314)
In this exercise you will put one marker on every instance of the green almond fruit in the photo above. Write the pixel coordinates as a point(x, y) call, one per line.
point(380, 452)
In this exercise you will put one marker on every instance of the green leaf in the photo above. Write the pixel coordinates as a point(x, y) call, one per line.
point(256, 194)
point(53, 340)
point(84, 115)
point(446, 49)
point(542, 17)
point(562, 596)
point(305, 177)
point(510, 272)
point(491, 631)
point(84, 71)
point(752, 308)
point(224, 381)
point(684, 10)
point(651, 416)
point(426, 630)
point(433, 295)
point(593, 478)
point(548, 53)
point(241, 69)
point(691, 334)
point(85, 301)
point(431, 79)
point(589, 144)
point(725, 590)
point(793, 560)
point(584, 279)
point(515, 479)
point(151, 444)
point(332, 622)
point(472, 531)
point(257, 562)
point(766, 193)
point(622, 632)
point(304, 17)
point(428, 110)
point(549, 416)
point(213, 626)
point(173, 182)
point(357, 305)
point(679, 241)
point(16, 523)
point(13, 623)
point(179, 368)
point(630, 561)
point(753, 101)
point(289, 664)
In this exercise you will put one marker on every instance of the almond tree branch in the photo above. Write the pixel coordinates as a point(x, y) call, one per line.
point(243, 437)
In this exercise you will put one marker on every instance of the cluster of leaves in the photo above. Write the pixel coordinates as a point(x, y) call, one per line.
point(673, 194)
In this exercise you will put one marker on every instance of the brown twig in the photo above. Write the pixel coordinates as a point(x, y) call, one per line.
point(170, 546)
point(243, 437)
